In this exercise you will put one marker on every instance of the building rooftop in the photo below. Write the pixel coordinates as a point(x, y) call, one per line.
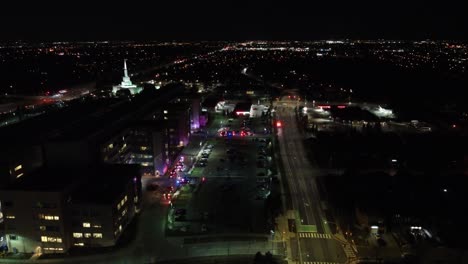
point(96, 184)
point(84, 120)
point(35, 130)
point(105, 183)
point(115, 117)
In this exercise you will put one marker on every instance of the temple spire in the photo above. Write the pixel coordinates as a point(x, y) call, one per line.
point(125, 68)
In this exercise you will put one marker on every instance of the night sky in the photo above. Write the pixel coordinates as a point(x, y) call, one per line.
point(233, 20)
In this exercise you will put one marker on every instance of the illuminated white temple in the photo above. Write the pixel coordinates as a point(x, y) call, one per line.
point(126, 83)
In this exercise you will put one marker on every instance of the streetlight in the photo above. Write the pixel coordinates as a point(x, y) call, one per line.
point(329, 222)
point(272, 232)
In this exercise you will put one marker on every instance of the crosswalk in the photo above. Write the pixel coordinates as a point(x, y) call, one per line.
point(349, 252)
point(319, 262)
point(315, 235)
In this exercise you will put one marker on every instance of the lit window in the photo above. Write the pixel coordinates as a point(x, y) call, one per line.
point(51, 239)
point(143, 148)
point(43, 238)
point(59, 239)
point(79, 244)
point(77, 235)
point(19, 175)
point(10, 217)
point(53, 249)
point(19, 167)
point(125, 198)
point(48, 217)
point(124, 212)
point(165, 111)
point(111, 146)
point(120, 227)
point(97, 235)
point(97, 226)
point(87, 225)
point(87, 235)
point(42, 228)
point(118, 206)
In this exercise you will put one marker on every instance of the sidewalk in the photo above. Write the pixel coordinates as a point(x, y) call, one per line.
point(349, 248)
point(283, 236)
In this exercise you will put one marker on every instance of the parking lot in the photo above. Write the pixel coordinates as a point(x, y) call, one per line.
point(231, 182)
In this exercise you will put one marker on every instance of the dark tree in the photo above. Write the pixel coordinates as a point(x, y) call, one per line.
point(123, 93)
point(269, 258)
point(259, 259)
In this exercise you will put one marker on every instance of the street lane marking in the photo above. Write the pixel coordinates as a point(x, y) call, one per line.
point(315, 235)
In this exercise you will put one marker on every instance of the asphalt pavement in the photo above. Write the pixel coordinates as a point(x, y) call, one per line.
point(300, 174)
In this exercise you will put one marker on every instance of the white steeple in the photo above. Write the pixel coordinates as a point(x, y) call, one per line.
point(125, 68)
point(126, 82)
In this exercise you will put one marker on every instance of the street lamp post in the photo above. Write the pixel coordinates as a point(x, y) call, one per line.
point(329, 222)
point(284, 241)
point(272, 232)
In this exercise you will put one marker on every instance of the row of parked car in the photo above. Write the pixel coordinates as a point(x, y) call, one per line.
point(205, 154)
point(263, 184)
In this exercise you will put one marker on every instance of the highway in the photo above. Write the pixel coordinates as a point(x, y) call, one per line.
point(314, 241)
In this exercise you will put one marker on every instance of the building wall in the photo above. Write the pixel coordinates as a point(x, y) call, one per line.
point(116, 149)
point(101, 225)
point(143, 145)
point(34, 221)
point(160, 146)
point(44, 222)
point(92, 225)
point(18, 161)
point(195, 114)
point(69, 154)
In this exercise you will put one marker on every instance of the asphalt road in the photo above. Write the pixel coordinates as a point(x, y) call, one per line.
point(300, 174)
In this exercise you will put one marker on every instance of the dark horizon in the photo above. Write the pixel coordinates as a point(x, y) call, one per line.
point(237, 22)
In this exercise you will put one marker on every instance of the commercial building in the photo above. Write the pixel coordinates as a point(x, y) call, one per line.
point(258, 110)
point(18, 160)
point(54, 180)
point(75, 135)
point(145, 143)
point(155, 140)
point(102, 208)
point(242, 109)
point(43, 210)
